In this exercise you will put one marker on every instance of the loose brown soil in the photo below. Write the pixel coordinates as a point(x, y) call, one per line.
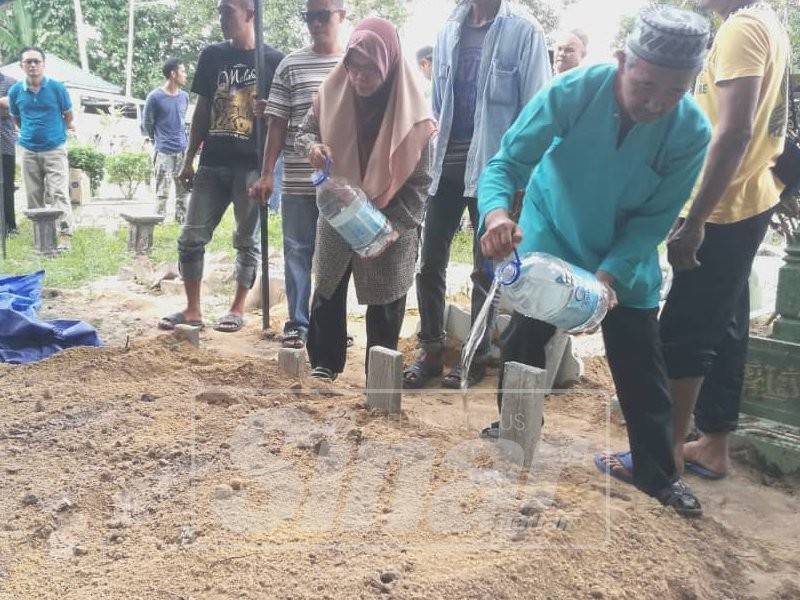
point(158, 470)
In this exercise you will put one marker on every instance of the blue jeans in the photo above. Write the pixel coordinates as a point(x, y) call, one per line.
point(214, 189)
point(299, 215)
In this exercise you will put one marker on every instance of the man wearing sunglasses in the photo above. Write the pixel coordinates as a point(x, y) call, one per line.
point(42, 109)
point(296, 82)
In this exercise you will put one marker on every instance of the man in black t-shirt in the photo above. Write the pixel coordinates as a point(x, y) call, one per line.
point(224, 125)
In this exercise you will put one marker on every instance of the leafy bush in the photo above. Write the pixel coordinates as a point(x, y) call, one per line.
point(128, 170)
point(91, 161)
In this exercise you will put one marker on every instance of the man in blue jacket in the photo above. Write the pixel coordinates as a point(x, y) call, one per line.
point(488, 63)
point(609, 155)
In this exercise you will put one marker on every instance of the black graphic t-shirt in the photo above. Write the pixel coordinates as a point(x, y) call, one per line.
point(227, 77)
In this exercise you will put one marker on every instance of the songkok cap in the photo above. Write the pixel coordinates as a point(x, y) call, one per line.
point(670, 37)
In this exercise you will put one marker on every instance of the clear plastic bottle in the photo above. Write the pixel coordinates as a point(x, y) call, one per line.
point(549, 289)
point(349, 211)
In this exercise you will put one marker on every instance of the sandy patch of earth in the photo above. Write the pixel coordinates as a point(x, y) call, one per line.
point(152, 469)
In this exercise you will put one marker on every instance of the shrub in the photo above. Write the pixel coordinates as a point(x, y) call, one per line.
point(91, 161)
point(128, 170)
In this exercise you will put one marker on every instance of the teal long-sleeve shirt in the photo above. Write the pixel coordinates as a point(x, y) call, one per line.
point(590, 200)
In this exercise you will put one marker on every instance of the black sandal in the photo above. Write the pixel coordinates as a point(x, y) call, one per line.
point(324, 374)
point(477, 372)
point(416, 376)
point(680, 497)
point(491, 433)
point(294, 339)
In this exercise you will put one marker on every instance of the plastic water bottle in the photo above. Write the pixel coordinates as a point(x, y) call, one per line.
point(349, 211)
point(549, 289)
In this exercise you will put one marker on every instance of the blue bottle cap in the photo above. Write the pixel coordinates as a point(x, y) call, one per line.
point(320, 177)
point(509, 272)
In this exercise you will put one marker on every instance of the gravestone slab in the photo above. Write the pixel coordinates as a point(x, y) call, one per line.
point(385, 380)
point(189, 333)
point(292, 362)
point(523, 408)
point(45, 230)
point(553, 355)
point(571, 369)
point(141, 229)
point(772, 381)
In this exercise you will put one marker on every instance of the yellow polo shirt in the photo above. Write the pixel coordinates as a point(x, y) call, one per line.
point(751, 43)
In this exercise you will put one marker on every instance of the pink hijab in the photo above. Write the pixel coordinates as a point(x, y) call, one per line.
point(376, 142)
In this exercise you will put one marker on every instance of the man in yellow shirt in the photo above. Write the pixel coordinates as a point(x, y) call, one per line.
point(705, 324)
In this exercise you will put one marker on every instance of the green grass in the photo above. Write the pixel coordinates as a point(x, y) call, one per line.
point(461, 250)
point(95, 253)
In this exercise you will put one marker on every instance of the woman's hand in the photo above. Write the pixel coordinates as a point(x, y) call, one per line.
point(318, 155)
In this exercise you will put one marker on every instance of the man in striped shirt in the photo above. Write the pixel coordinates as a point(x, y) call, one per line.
point(296, 82)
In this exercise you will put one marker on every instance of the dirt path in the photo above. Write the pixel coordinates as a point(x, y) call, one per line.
point(163, 471)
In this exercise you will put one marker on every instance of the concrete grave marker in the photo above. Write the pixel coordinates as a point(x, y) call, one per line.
point(385, 380)
point(571, 369)
point(523, 407)
point(292, 362)
point(141, 229)
point(190, 333)
point(553, 355)
point(45, 233)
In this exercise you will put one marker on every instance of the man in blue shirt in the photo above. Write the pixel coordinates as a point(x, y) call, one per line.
point(488, 63)
point(608, 156)
point(163, 122)
point(42, 110)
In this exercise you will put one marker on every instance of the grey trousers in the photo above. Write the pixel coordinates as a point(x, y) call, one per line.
point(46, 177)
point(215, 188)
point(167, 169)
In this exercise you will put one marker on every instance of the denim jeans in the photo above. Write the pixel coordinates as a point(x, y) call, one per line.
point(300, 215)
point(442, 221)
point(214, 190)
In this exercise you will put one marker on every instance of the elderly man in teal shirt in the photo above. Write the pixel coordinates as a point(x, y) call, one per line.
point(608, 156)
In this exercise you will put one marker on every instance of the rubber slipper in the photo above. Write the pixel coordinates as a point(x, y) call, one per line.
point(704, 472)
point(601, 461)
point(229, 323)
point(169, 322)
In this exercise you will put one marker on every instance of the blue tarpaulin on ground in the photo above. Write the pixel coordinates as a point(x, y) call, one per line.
point(24, 338)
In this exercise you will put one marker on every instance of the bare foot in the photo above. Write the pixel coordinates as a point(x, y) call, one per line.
point(710, 451)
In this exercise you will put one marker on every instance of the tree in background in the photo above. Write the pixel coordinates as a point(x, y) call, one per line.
point(22, 25)
point(171, 28)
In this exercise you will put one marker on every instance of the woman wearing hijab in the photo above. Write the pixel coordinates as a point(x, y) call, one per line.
point(372, 121)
